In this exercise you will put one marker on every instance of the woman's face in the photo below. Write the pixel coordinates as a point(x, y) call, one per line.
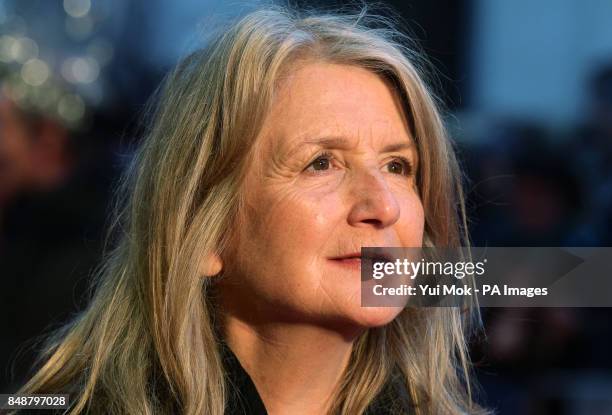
point(334, 170)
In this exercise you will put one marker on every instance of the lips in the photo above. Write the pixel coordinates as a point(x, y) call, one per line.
point(350, 261)
point(351, 256)
point(353, 260)
point(379, 256)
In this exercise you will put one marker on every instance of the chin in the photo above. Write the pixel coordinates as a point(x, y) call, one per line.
point(371, 317)
point(354, 321)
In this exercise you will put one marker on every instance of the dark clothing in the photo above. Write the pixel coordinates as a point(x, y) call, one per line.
point(245, 400)
point(243, 396)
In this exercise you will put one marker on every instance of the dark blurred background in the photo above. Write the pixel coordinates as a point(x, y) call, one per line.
point(528, 86)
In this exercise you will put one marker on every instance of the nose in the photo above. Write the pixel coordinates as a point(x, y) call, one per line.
point(374, 204)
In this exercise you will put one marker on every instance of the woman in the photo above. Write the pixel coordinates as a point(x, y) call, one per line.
point(275, 154)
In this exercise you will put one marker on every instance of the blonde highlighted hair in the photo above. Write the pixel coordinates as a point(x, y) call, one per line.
point(146, 344)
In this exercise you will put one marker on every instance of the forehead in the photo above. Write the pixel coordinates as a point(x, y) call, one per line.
point(319, 98)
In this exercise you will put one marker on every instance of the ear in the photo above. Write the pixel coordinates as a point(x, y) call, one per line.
point(211, 265)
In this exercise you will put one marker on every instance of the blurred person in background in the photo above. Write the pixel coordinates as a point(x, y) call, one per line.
point(68, 91)
point(53, 190)
point(35, 153)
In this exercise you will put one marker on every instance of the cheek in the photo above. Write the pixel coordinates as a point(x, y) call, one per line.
point(412, 221)
point(286, 232)
point(296, 217)
point(284, 239)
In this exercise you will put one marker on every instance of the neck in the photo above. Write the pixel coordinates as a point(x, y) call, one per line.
point(295, 367)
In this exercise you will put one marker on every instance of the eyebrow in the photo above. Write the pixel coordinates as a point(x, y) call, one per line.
point(343, 143)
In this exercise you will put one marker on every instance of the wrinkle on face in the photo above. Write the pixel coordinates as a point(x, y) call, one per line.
point(295, 221)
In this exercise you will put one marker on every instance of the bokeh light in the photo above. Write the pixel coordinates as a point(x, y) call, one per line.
point(77, 8)
point(83, 70)
point(35, 72)
point(71, 107)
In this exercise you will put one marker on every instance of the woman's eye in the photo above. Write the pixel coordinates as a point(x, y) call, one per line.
point(324, 162)
point(400, 166)
point(321, 163)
